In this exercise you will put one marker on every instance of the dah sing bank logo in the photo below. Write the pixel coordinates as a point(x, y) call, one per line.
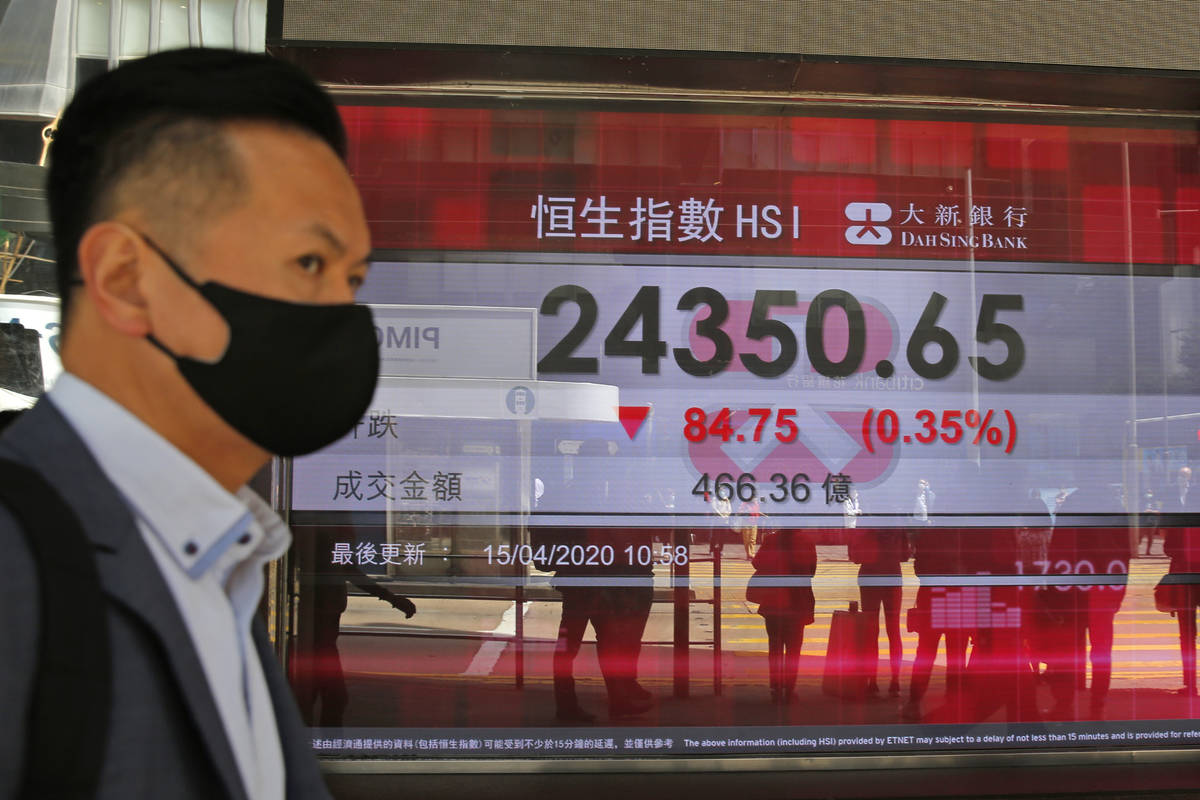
point(992, 229)
point(867, 230)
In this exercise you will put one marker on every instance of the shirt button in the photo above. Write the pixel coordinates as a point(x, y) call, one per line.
point(244, 539)
point(191, 548)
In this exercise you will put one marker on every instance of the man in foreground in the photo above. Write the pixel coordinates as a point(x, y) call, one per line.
point(210, 245)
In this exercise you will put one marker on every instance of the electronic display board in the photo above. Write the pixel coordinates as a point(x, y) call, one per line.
point(846, 435)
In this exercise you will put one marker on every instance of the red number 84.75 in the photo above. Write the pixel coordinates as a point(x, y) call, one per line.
point(698, 428)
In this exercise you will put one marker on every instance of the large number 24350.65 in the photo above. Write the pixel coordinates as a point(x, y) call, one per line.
point(645, 308)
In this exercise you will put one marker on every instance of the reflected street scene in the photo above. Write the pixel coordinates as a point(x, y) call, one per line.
point(819, 457)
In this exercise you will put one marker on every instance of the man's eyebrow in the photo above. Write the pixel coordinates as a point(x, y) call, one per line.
point(329, 236)
point(323, 231)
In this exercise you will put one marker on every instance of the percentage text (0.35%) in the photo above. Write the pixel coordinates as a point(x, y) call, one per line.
point(996, 428)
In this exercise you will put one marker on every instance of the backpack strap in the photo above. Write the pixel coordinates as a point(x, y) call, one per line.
point(72, 687)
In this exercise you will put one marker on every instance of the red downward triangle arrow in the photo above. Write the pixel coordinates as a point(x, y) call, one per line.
point(632, 417)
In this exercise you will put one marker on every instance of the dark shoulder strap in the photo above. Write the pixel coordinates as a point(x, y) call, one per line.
point(72, 688)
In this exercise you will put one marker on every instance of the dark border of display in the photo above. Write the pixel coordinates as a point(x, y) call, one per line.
point(782, 763)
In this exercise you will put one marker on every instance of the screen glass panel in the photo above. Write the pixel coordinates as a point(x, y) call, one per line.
point(716, 434)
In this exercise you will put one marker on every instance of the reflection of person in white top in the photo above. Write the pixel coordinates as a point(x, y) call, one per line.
point(851, 510)
point(924, 503)
point(1184, 483)
point(722, 508)
point(747, 523)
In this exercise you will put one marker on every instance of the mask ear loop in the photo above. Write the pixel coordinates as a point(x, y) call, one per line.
point(152, 339)
point(170, 262)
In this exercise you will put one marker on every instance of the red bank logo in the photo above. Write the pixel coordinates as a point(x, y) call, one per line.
point(984, 227)
point(866, 231)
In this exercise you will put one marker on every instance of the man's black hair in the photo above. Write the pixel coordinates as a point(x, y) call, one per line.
point(171, 104)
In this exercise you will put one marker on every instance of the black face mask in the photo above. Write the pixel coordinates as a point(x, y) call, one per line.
point(294, 377)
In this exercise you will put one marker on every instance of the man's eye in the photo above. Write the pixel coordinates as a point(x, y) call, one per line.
point(311, 264)
point(356, 282)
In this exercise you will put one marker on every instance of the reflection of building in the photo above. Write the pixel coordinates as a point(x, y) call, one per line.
point(50, 47)
point(970, 608)
point(448, 451)
point(1180, 300)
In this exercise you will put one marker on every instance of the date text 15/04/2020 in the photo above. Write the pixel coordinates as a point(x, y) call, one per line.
point(556, 556)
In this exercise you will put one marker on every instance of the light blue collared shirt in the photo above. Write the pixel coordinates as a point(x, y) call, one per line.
point(210, 547)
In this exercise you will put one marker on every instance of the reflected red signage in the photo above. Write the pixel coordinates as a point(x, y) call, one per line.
point(532, 180)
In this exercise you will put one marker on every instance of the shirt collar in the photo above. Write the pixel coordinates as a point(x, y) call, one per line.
point(277, 537)
point(196, 520)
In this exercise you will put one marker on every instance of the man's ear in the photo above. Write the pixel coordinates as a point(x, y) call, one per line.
point(112, 259)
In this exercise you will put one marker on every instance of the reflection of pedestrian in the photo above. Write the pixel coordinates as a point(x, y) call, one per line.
point(923, 504)
point(617, 612)
point(786, 606)
point(1176, 499)
point(722, 509)
point(1182, 499)
point(851, 510)
point(748, 521)
point(623, 613)
point(1181, 543)
point(937, 555)
point(998, 674)
point(317, 667)
point(1034, 535)
point(1033, 541)
point(579, 605)
point(879, 554)
point(1087, 610)
point(615, 597)
point(1151, 508)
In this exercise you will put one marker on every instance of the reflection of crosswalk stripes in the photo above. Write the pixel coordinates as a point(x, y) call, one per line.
point(834, 575)
point(745, 631)
point(1145, 646)
point(843, 575)
point(1126, 664)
